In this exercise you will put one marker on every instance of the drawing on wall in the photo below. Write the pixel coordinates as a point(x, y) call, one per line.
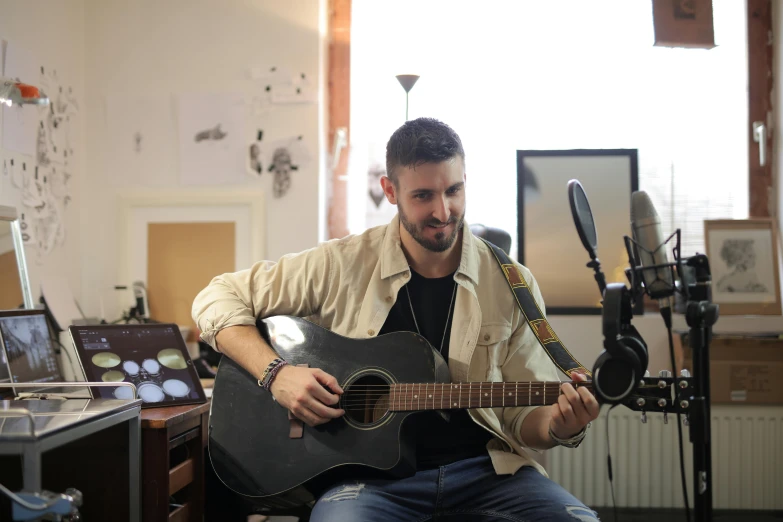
point(282, 165)
point(42, 180)
point(280, 85)
point(141, 139)
point(211, 134)
point(374, 175)
point(282, 158)
point(254, 159)
point(211, 138)
point(371, 158)
point(743, 262)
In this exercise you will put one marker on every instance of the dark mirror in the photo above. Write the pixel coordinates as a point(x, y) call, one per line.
point(583, 217)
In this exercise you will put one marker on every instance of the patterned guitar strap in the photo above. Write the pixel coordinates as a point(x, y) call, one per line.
point(538, 323)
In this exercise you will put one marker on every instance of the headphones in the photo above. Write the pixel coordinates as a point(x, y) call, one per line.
point(621, 366)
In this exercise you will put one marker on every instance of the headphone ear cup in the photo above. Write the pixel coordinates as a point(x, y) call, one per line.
point(618, 369)
point(636, 353)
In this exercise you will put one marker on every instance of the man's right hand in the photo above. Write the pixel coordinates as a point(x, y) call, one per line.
point(303, 391)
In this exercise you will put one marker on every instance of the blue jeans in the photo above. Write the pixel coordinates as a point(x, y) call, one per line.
point(468, 490)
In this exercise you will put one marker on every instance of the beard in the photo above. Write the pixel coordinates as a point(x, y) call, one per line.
point(442, 242)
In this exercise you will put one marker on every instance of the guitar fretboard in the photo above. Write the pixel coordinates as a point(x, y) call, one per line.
point(449, 396)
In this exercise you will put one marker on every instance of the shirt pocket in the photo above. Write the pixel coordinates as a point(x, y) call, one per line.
point(492, 344)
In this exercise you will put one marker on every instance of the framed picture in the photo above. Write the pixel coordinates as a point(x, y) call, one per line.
point(743, 256)
point(547, 241)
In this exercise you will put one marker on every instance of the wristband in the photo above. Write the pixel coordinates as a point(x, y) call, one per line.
point(572, 442)
point(270, 372)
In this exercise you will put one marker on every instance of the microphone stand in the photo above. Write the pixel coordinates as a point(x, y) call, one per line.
point(701, 314)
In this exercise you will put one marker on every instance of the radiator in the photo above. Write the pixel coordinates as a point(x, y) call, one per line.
point(747, 460)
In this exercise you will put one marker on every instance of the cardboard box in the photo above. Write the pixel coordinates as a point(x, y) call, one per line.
point(683, 23)
point(743, 370)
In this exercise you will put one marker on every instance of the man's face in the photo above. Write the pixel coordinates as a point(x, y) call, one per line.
point(430, 199)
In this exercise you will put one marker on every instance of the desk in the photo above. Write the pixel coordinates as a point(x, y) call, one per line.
point(173, 443)
point(75, 423)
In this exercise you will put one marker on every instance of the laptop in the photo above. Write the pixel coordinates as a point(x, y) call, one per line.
point(28, 355)
point(152, 356)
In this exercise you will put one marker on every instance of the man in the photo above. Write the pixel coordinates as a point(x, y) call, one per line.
point(424, 272)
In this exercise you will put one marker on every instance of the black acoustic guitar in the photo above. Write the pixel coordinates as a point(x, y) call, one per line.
point(385, 380)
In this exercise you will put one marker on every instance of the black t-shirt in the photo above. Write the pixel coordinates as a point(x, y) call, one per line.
point(438, 442)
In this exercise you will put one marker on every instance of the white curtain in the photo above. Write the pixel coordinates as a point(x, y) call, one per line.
point(523, 74)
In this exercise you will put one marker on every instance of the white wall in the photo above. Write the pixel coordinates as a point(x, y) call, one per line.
point(53, 34)
point(152, 48)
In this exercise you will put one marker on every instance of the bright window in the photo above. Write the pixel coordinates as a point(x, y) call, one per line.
point(510, 75)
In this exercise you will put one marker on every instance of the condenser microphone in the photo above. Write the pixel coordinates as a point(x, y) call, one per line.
point(646, 226)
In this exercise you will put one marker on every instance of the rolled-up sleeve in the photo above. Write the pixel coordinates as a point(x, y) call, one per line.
point(295, 285)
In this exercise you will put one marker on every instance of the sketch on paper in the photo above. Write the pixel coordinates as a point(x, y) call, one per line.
point(254, 165)
point(141, 139)
point(280, 85)
point(281, 158)
point(740, 257)
point(743, 262)
point(42, 182)
point(211, 138)
point(370, 157)
point(211, 134)
point(282, 165)
point(375, 190)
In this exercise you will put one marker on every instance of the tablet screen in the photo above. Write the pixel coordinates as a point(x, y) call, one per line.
point(151, 356)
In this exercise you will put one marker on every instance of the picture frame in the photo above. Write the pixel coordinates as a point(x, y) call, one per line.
point(547, 241)
point(743, 256)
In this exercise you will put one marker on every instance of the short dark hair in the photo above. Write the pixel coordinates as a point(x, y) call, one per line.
point(423, 140)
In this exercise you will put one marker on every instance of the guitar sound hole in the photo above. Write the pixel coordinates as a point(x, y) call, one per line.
point(366, 400)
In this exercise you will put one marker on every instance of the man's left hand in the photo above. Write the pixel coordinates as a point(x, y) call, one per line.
point(574, 409)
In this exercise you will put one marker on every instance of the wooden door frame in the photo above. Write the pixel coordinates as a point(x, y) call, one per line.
point(761, 184)
point(339, 115)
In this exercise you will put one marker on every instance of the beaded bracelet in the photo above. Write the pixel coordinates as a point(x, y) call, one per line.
point(268, 369)
point(266, 383)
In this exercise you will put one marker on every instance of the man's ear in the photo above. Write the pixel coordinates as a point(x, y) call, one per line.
point(389, 189)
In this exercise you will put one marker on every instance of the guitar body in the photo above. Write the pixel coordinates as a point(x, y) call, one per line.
point(249, 442)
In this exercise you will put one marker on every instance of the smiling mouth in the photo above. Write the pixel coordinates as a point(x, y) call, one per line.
point(444, 225)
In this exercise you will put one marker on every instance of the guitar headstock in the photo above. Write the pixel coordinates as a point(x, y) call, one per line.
point(662, 394)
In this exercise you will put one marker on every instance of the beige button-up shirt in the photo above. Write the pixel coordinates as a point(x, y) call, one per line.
point(349, 286)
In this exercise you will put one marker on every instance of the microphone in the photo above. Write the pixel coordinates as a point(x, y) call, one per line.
point(646, 227)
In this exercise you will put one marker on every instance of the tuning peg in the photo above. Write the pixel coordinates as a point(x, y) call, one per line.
point(665, 418)
point(664, 374)
point(644, 418)
point(685, 373)
point(646, 373)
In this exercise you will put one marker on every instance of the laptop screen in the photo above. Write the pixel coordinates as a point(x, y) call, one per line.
point(27, 344)
point(151, 356)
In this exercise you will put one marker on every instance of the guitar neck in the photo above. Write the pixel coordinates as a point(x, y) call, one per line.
point(463, 395)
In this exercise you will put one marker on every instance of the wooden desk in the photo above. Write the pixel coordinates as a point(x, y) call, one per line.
point(173, 440)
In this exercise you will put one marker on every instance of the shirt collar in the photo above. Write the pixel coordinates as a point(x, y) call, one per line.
point(393, 259)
